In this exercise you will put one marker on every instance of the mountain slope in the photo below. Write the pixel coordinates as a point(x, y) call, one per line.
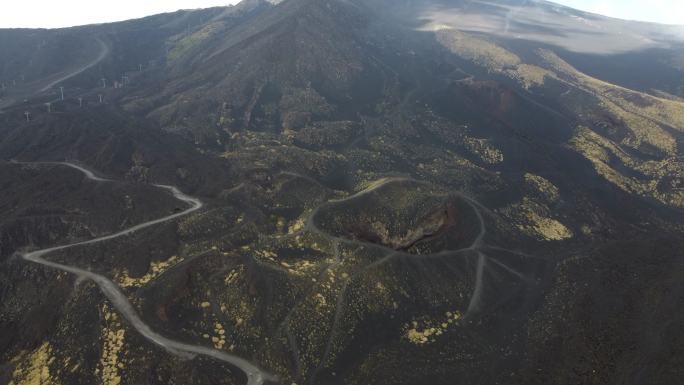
point(397, 192)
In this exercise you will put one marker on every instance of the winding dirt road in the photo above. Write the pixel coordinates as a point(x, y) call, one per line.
point(104, 51)
point(36, 88)
point(255, 375)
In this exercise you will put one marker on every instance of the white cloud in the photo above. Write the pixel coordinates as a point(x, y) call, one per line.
point(659, 11)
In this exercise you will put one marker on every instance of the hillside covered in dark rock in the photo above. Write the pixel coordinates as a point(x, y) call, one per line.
point(394, 192)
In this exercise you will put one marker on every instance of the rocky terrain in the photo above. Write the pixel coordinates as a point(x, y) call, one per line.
point(394, 192)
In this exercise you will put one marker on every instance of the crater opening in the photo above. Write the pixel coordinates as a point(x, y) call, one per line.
point(402, 215)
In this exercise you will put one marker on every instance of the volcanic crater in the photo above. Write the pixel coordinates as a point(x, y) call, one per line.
point(402, 215)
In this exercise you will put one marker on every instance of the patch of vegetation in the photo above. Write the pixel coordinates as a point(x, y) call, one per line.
point(187, 42)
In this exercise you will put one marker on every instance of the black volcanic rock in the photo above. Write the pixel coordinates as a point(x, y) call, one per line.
point(396, 192)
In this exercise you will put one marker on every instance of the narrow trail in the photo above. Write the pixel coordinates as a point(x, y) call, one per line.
point(34, 88)
point(476, 249)
point(104, 51)
point(255, 375)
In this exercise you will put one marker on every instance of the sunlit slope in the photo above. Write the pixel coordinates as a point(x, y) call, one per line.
point(396, 192)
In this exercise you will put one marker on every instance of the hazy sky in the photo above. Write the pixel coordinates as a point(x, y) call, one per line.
point(61, 13)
